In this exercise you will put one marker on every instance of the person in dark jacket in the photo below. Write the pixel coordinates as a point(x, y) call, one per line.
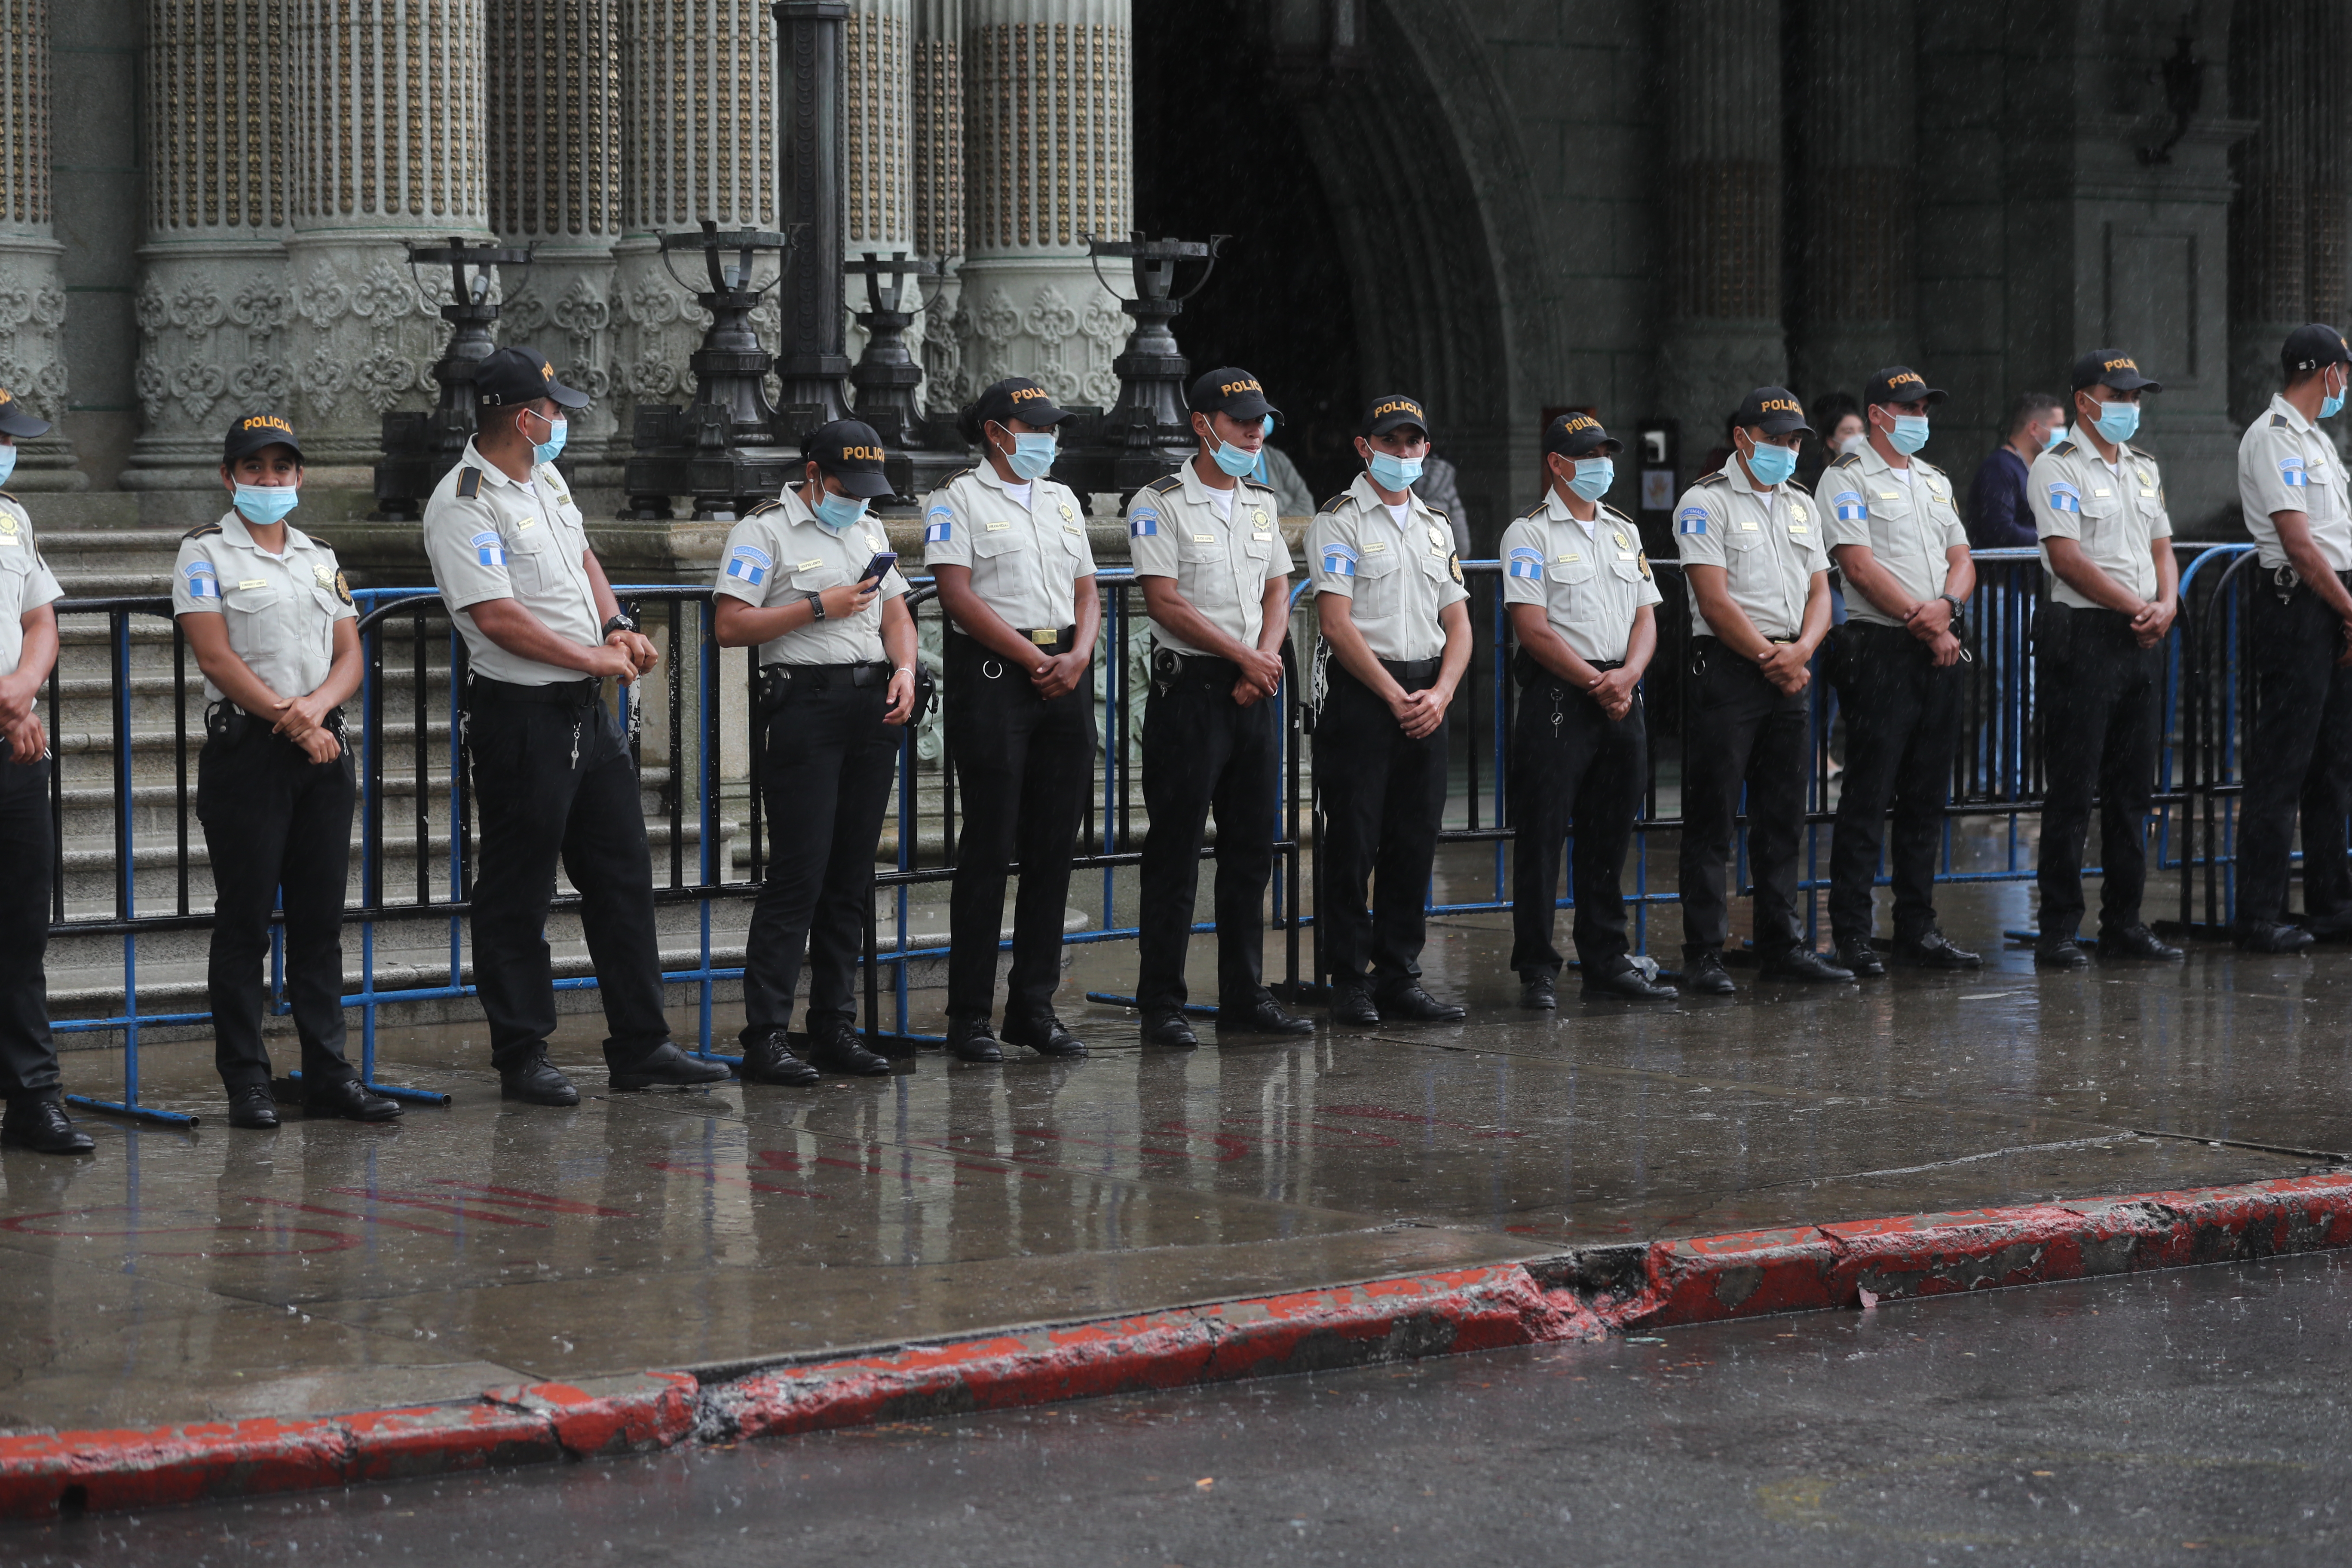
point(1999, 517)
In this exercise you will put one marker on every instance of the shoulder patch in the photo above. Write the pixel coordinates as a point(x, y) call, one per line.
point(470, 483)
point(1691, 519)
point(1525, 561)
point(206, 532)
point(2281, 422)
point(1165, 483)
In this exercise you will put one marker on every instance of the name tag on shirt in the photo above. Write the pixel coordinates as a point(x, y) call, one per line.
point(808, 565)
point(2102, 491)
point(1888, 495)
point(1572, 557)
point(1204, 539)
point(995, 527)
point(1747, 525)
point(1261, 537)
point(526, 523)
point(1625, 555)
point(1072, 527)
point(1374, 546)
point(255, 583)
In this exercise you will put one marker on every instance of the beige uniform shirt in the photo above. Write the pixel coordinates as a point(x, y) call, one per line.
point(1026, 560)
point(281, 610)
point(779, 554)
point(490, 537)
point(1220, 560)
point(1400, 578)
point(25, 584)
point(1906, 525)
point(2114, 516)
point(1769, 543)
point(1589, 578)
point(2285, 464)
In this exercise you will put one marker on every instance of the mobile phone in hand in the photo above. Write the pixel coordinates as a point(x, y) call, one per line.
point(881, 564)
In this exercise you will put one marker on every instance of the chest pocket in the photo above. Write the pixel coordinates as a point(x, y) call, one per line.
point(327, 607)
point(1571, 573)
point(1742, 533)
point(257, 618)
point(1380, 582)
point(823, 574)
point(1016, 538)
point(532, 559)
point(1195, 551)
point(2324, 488)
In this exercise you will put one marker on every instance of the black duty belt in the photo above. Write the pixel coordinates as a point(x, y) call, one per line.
point(1169, 667)
point(555, 694)
point(2286, 580)
point(1528, 671)
point(818, 677)
point(1045, 638)
point(225, 718)
point(1406, 670)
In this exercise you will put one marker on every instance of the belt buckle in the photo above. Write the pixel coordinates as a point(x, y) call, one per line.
point(1044, 639)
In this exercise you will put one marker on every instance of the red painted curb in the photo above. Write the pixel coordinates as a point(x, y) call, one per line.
point(1583, 1296)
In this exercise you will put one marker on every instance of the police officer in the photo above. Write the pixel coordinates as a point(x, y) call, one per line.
point(2106, 545)
point(1390, 601)
point(1208, 551)
point(1581, 593)
point(552, 776)
point(1904, 551)
point(265, 611)
point(1016, 575)
point(1754, 554)
point(35, 1119)
point(2292, 485)
point(836, 686)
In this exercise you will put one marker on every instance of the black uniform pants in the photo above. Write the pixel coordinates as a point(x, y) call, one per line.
point(1023, 766)
point(1572, 767)
point(555, 781)
point(2099, 691)
point(1383, 803)
point(825, 773)
point(1203, 750)
point(1902, 722)
point(28, 1058)
point(2301, 757)
point(1743, 730)
point(275, 823)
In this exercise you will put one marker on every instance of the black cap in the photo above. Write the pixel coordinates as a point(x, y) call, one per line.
point(1230, 391)
point(1018, 397)
point(850, 452)
point(17, 420)
point(1391, 410)
point(1900, 384)
point(1579, 436)
point(512, 377)
point(255, 431)
point(2112, 367)
point(1774, 409)
point(2314, 347)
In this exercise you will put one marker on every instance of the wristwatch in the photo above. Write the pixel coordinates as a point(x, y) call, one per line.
point(624, 621)
point(1960, 607)
point(816, 607)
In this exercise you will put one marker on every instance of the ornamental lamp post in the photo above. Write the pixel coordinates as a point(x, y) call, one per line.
point(1146, 434)
point(418, 449)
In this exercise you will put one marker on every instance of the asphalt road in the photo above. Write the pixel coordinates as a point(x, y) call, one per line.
point(2196, 1416)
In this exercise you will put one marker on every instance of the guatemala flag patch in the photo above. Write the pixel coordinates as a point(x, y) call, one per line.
point(2291, 470)
point(1143, 525)
point(750, 565)
point(1849, 507)
point(1339, 561)
point(1691, 519)
point(1527, 562)
point(939, 525)
point(488, 548)
point(2064, 497)
point(203, 582)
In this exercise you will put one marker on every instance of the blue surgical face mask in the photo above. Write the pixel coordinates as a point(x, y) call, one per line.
point(7, 463)
point(1594, 478)
point(1910, 433)
point(547, 451)
point(1394, 473)
point(1234, 460)
point(2057, 434)
point(1032, 456)
point(2330, 405)
point(266, 504)
point(2118, 422)
point(837, 513)
point(1770, 465)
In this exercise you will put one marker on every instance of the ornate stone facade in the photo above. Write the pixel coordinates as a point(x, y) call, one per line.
point(1049, 163)
point(936, 99)
point(32, 296)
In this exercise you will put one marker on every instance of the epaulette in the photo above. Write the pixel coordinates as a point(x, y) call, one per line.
point(200, 533)
point(1166, 483)
point(1717, 478)
point(2137, 452)
point(1620, 516)
point(1533, 512)
point(2281, 422)
point(1845, 459)
point(1438, 511)
point(6, 497)
point(957, 475)
point(1923, 465)
point(1798, 485)
point(764, 507)
point(470, 483)
point(1333, 504)
point(2065, 449)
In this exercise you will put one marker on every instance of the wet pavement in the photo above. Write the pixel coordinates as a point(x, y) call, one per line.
point(332, 1266)
point(2192, 1417)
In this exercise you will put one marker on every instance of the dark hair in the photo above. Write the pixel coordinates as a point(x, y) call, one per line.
point(968, 423)
point(2026, 405)
point(1829, 408)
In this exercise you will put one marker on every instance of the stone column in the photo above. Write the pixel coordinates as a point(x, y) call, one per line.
point(936, 102)
point(1854, 190)
point(1048, 161)
point(213, 309)
point(877, 143)
point(32, 299)
point(554, 157)
point(387, 135)
point(1722, 104)
point(699, 142)
point(2287, 225)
